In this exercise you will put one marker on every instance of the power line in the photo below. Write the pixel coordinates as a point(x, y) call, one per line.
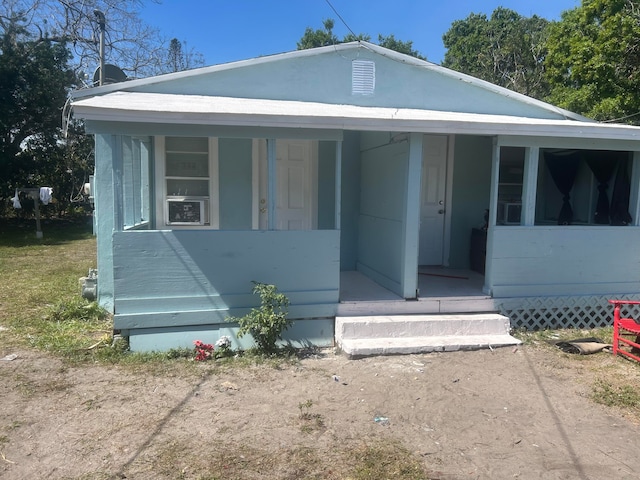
point(621, 118)
point(341, 19)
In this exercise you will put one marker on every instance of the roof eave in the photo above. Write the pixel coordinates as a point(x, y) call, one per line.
point(447, 126)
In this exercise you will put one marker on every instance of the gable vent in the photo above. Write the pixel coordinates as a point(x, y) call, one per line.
point(363, 77)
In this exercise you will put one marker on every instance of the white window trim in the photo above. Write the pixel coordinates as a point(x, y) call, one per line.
point(161, 186)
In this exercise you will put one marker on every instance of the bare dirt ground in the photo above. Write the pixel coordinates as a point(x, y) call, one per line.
point(509, 413)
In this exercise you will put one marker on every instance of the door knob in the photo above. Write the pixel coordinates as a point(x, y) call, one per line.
point(441, 211)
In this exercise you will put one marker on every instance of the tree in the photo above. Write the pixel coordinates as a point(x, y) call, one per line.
point(507, 49)
point(137, 48)
point(180, 58)
point(593, 62)
point(322, 38)
point(38, 68)
point(392, 43)
point(35, 80)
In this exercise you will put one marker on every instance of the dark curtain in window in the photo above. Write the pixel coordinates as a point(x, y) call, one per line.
point(602, 164)
point(620, 198)
point(563, 168)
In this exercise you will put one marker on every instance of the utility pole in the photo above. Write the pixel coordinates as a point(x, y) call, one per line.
point(102, 24)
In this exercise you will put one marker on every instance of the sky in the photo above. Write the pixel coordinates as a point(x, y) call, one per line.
point(230, 30)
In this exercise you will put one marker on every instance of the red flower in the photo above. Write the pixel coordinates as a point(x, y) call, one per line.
point(204, 351)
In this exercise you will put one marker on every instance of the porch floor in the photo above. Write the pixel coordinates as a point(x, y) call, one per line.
point(451, 313)
point(442, 290)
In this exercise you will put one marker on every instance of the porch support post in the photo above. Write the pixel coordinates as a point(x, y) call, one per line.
point(530, 182)
point(411, 232)
point(271, 184)
point(104, 215)
point(493, 206)
point(118, 189)
point(634, 200)
point(338, 183)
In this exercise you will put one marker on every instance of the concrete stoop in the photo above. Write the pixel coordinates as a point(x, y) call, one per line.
point(405, 334)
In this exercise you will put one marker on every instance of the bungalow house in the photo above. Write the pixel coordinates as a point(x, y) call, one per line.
point(359, 181)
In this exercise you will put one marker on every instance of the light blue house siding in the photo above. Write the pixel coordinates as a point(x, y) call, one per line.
point(235, 165)
point(381, 221)
point(470, 199)
point(326, 78)
point(350, 201)
point(203, 277)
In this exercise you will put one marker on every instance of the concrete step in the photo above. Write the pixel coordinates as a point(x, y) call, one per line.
point(404, 334)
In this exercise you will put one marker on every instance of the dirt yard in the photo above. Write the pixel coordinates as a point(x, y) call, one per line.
point(509, 413)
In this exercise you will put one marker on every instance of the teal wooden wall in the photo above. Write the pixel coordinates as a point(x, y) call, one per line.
point(382, 206)
point(471, 189)
point(556, 261)
point(198, 277)
point(350, 201)
point(235, 183)
point(327, 185)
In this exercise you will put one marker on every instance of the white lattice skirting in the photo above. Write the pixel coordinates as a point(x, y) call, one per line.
point(584, 312)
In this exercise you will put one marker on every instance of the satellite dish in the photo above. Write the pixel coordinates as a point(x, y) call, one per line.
point(112, 74)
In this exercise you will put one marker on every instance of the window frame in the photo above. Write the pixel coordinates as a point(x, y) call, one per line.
point(211, 204)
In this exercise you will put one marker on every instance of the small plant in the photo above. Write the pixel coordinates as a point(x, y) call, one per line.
point(204, 351)
point(223, 347)
point(304, 409)
point(267, 322)
point(310, 420)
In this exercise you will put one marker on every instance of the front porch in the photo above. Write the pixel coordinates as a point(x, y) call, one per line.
point(451, 313)
point(441, 290)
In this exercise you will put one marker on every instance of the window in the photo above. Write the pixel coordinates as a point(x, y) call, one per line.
point(585, 187)
point(189, 174)
point(136, 161)
point(511, 174)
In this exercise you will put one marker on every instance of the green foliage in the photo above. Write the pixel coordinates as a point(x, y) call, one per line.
point(593, 61)
point(392, 43)
point(318, 38)
point(76, 309)
point(267, 322)
point(324, 37)
point(35, 80)
point(310, 421)
point(506, 49)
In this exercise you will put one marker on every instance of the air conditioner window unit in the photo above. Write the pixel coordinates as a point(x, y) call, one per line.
point(509, 213)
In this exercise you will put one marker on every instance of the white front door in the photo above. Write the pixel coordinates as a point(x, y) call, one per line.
point(433, 196)
point(295, 185)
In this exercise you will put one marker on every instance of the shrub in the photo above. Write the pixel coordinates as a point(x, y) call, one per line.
point(267, 322)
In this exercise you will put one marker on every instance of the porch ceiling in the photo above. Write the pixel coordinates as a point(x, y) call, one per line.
point(206, 110)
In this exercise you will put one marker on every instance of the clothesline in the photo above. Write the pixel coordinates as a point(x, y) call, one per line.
point(44, 194)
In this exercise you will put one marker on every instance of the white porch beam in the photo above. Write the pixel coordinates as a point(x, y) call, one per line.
point(493, 215)
point(338, 179)
point(271, 184)
point(634, 200)
point(529, 186)
point(117, 177)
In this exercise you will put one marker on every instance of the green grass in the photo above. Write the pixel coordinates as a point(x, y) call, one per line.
point(624, 396)
point(549, 337)
point(40, 302)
